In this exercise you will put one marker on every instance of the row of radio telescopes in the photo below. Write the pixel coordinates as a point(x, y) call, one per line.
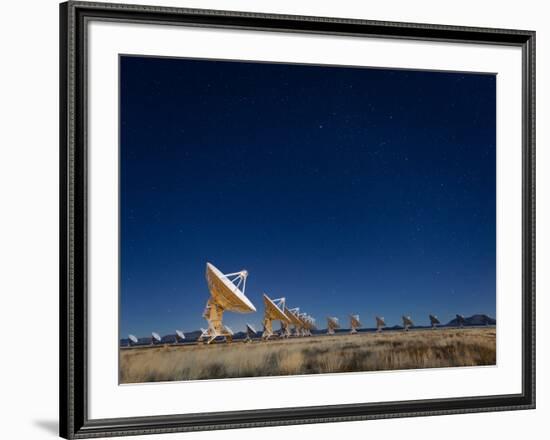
point(227, 293)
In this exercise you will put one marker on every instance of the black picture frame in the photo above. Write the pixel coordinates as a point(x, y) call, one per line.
point(74, 420)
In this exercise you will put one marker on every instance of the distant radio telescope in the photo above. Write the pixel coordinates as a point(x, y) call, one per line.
point(434, 321)
point(303, 319)
point(132, 340)
point(274, 311)
point(308, 323)
point(332, 324)
point(155, 338)
point(227, 293)
point(250, 333)
point(294, 321)
point(460, 320)
point(407, 323)
point(180, 336)
point(380, 323)
point(354, 323)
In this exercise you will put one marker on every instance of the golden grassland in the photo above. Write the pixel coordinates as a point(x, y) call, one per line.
point(310, 355)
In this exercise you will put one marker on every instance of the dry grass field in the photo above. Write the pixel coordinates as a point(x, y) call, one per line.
point(317, 354)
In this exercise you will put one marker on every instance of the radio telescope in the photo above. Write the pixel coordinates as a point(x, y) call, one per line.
point(250, 333)
point(332, 324)
point(274, 311)
point(407, 322)
point(225, 294)
point(354, 323)
point(380, 323)
point(180, 336)
point(294, 320)
point(302, 328)
point(309, 324)
point(434, 321)
point(460, 320)
point(132, 340)
point(155, 337)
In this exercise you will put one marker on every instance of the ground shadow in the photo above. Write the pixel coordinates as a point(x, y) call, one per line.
point(51, 426)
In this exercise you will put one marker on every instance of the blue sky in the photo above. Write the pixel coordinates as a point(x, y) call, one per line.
point(345, 190)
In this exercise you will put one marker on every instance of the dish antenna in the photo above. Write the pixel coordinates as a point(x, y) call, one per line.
point(434, 321)
point(132, 340)
point(250, 333)
point(155, 337)
point(274, 311)
point(180, 336)
point(407, 323)
point(302, 329)
point(225, 294)
point(294, 320)
point(310, 324)
point(354, 323)
point(460, 320)
point(380, 323)
point(332, 324)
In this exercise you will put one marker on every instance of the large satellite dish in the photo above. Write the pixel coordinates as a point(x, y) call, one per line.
point(155, 338)
point(332, 324)
point(227, 292)
point(407, 323)
point(274, 311)
point(460, 320)
point(354, 323)
point(180, 336)
point(132, 340)
point(434, 321)
point(380, 323)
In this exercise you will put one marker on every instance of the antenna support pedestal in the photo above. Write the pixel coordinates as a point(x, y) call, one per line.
point(268, 328)
point(213, 313)
point(285, 329)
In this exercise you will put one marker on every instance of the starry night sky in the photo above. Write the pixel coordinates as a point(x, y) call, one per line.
point(346, 190)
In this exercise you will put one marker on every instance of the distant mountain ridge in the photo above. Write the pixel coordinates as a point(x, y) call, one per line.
point(473, 320)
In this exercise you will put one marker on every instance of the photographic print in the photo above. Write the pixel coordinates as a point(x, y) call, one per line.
point(287, 219)
point(259, 202)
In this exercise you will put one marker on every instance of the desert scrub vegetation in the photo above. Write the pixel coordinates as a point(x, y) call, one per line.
point(311, 355)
